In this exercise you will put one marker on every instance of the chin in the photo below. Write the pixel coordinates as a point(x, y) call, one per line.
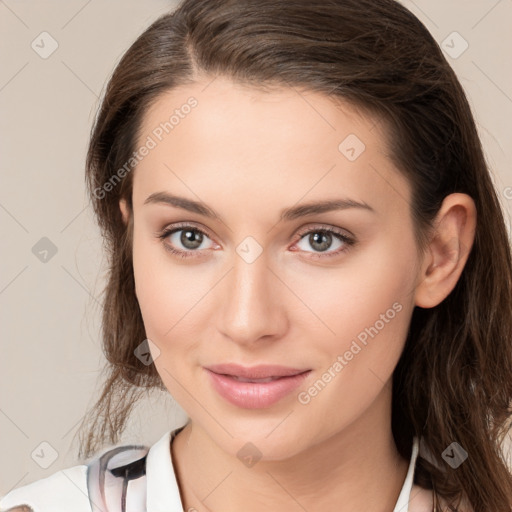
point(268, 441)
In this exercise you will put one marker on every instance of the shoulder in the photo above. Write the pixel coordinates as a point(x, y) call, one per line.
point(463, 506)
point(76, 487)
point(421, 500)
point(61, 491)
point(102, 478)
point(147, 473)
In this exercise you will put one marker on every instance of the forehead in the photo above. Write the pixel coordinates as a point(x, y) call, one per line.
point(218, 137)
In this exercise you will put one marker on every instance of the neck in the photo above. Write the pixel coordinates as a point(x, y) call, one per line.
point(356, 468)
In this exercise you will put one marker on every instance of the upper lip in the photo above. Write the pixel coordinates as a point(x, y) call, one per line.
point(255, 372)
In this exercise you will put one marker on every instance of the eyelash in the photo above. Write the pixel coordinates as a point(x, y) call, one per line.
point(349, 242)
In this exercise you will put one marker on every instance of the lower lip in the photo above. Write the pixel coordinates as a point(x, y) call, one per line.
point(255, 395)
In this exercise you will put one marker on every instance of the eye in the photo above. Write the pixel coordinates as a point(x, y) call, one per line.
point(183, 240)
point(321, 239)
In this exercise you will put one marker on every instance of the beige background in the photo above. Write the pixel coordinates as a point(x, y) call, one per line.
point(49, 311)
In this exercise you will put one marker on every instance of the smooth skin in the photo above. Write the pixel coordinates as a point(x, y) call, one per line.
point(248, 154)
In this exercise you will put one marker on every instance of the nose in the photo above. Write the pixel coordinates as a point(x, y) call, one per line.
point(251, 304)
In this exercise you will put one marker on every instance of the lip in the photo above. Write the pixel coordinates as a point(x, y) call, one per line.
point(255, 395)
point(261, 371)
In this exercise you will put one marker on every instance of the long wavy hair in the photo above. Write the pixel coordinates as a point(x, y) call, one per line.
point(453, 381)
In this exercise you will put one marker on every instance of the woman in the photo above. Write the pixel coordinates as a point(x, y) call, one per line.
point(308, 253)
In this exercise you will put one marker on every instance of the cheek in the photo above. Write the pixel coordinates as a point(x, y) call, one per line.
point(165, 294)
point(370, 317)
point(150, 285)
point(160, 291)
point(169, 294)
point(373, 287)
point(368, 304)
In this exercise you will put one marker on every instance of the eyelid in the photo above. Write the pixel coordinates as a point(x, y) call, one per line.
point(326, 227)
point(183, 225)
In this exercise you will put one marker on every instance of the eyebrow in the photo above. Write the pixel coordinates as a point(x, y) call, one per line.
point(287, 214)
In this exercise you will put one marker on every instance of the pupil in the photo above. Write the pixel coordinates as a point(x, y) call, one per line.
point(187, 239)
point(322, 246)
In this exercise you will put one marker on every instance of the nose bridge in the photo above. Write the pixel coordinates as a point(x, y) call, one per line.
point(250, 301)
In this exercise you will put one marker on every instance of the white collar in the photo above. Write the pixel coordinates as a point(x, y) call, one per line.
point(163, 491)
point(402, 505)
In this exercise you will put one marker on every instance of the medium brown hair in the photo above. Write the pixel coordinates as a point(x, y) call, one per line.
point(453, 381)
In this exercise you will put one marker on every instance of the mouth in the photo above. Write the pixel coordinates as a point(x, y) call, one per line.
point(243, 379)
point(259, 373)
point(255, 391)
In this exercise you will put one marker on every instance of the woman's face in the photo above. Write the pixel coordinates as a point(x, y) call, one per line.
point(256, 279)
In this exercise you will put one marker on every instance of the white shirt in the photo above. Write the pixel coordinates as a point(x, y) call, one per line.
point(66, 490)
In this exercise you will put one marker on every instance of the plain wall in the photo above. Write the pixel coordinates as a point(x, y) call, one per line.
point(51, 355)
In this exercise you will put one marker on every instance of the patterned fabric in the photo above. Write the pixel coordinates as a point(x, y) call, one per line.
point(129, 479)
point(110, 476)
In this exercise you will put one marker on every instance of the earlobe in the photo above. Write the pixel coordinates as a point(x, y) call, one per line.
point(124, 210)
point(448, 250)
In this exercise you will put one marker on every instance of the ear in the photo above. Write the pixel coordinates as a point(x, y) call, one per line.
point(125, 211)
point(448, 250)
